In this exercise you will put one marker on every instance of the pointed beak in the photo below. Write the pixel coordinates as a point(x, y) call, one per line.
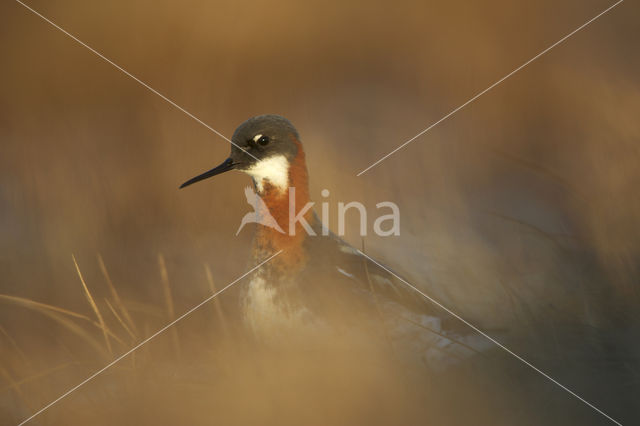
point(224, 167)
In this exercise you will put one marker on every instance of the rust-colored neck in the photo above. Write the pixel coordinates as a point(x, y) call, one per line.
point(269, 240)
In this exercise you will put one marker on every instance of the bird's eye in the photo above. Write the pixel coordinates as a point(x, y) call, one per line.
point(263, 140)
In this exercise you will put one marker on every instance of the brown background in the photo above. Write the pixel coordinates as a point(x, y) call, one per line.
point(520, 212)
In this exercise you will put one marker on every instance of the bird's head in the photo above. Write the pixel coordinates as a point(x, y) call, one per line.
point(264, 147)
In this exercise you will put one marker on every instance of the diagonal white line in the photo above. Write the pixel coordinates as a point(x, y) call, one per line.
point(490, 87)
point(190, 311)
point(500, 345)
point(134, 77)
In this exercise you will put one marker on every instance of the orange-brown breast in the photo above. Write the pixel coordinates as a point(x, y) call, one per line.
point(268, 240)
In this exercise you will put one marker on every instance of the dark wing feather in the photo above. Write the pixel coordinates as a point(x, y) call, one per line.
point(350, 281)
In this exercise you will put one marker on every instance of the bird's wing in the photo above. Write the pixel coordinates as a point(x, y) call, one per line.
point(419, 328)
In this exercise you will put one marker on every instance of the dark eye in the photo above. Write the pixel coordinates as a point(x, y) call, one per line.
point(263, 140)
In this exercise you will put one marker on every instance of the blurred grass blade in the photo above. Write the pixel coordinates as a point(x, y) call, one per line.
point(94, 306)
point(36, 376)
point(122, 323)
point(116, 297)
point(166, 287)
point(216, 301)
point(58, 315)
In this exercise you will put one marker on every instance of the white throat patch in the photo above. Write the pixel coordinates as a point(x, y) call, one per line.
point(274, 169)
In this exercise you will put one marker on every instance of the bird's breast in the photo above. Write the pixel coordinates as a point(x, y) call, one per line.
point(272, 308)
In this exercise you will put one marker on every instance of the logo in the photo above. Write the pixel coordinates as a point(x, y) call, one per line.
point(260, 213)
point(384, 225)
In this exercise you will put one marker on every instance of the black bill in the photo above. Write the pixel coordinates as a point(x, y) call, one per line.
point(224, 167)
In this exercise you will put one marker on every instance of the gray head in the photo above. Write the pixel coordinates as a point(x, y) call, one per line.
point(263, 147)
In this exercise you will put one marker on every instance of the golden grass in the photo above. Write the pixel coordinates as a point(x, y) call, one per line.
point(29, 303)
point(122, 323)
point(59, 315)
point(116, 297)
point(13, 384)
point(17, 383)
point(166, 288)
point(94, 306)
point(222, 373)
point(11, 340)
point(216, 302)
point(72, 321)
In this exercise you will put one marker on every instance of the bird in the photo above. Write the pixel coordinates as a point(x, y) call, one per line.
point(318, 282)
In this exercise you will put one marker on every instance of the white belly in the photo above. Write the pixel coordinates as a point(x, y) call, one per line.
point(270, 314)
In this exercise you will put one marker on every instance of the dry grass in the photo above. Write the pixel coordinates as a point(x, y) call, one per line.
point(122, 323)
point(116, 298)
point(74, 322)
point(103, 326)
point(216, 302)
point(234, 372)
point(168, 299)
point(61, 316)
